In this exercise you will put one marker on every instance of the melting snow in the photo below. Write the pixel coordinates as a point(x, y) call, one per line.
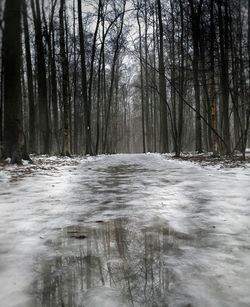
point(124, 230)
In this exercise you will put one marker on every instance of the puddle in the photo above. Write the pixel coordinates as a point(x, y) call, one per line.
point(113, 262)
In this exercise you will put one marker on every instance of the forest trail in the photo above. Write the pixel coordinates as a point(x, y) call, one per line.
point(126, 230)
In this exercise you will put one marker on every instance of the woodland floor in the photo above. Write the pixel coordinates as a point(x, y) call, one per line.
point(220, 161)
point(125, 230)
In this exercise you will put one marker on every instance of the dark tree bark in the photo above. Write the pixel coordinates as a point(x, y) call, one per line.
point(53, 88)
point(65, 78)
point(181, 85)
point(162, 86)
point(44, 132)
point(13, 134)
point(102, 85)
point(1, 102)
point(237, 92)
point(248, 105)
point(112, 81)
point(195, 20)
point(1, 86)
point(205, 93)
point(155, 96)
point(93, 53)
point(142, 84)
point(224, 73)
point(174, 75)
point(75, 79)
point(98, 102)
point(87, 111)
point(147, 109)
point(212, 80)
point(32, 126)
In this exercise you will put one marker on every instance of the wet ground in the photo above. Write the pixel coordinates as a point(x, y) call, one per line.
point(126, 230)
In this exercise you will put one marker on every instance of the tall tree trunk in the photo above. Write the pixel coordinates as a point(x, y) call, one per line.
point(13, 133)
point(65, 78)
point(112, 81)
point(205, 94)
point(53, 77)
point(1, 100)
point(248, 106)
point(142, 85)
point(1, 86)
point(93, 54)
point(162, 86)
point(44, 133)
point(147, 110)
point(32, 132)
point(87, 114)
point(174, 45)
point(75, 79)
point(237, 86)
point(181, 104)
point(224, 73)
point(212, 81)
point(155, 96)
point(195, 20)
point(98, 104)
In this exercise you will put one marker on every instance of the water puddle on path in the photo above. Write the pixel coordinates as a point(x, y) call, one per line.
point(112, 263)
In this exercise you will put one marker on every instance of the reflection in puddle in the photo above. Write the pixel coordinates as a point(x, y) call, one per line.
point(108, 264)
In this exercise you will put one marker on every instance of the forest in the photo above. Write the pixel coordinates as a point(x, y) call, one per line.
point(111, 76)
point(124, 153)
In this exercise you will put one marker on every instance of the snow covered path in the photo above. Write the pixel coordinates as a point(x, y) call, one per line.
point(126, 230)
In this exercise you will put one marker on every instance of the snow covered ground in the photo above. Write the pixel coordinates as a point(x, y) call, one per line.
point(125, 230)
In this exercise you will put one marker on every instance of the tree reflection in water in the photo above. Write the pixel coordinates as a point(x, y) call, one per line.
point(108, 264)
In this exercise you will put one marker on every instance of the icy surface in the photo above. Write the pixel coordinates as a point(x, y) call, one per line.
point(126, 230)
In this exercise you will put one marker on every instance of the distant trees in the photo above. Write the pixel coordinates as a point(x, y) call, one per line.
point(127, 75)
point(203, 46)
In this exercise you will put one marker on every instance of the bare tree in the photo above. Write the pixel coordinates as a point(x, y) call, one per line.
point(13, 133)
point(162, 86)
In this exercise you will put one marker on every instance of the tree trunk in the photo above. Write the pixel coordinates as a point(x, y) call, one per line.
point(32, 131)
point(212, 81)
point(142, 85)
point(162, 86)
point(87, 114)
point(205, 94)
point(65, 78)
point(173, 81)
point(181, 104)
point(195, 20)
point(147, 109)
point(53, 77)
point(44, 133)
point(224, 74)
point(112, 81)
point(93, 54)
point(75, 79)
point(1, 102)
point(13, 134)
point(248, 105)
